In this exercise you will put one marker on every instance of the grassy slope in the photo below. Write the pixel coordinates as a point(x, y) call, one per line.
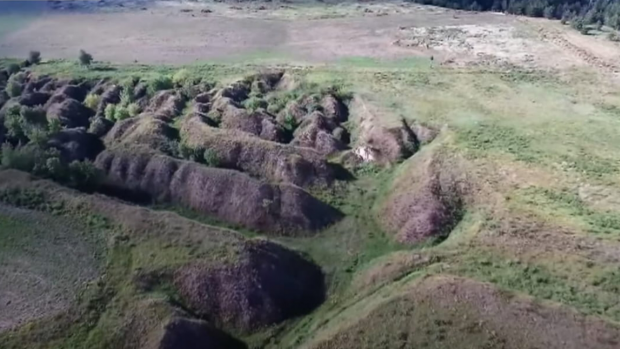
point(548, 145)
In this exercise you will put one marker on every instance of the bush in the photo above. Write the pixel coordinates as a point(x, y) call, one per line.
point(613, 36)
point(13, 124)
point(34, 57)
point(290, 123)
point(181, 77)
point(211, 158)
point(84, 175)
point(577, 24)
point(110, 112)
point(159, 83)
point(133, 109)
point(47, 163)
point(34, 115)
point(38, 136)
point(54, 126)
point(129, 83)
point(23, 158)
point(92, 101)
point(13, 68)
point(549, 12)
point(26, 123)
point(254, 103)
point(14, 88)
point(85, 58)
point(121, 113)
point(126, 98)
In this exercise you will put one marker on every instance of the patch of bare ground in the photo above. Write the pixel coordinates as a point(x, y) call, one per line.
point(45, 261)
point(446, 311)
point(503, 46)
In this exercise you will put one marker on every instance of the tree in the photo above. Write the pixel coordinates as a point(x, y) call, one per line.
point(85, 58)
point(549, 12)
point(13, 68)
point(34, 57)
point(13, 88)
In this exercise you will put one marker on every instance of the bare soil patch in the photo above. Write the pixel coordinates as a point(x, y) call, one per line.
point(503, 45)
point(44, 262)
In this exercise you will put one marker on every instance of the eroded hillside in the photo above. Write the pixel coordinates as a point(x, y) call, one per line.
point(464, 197)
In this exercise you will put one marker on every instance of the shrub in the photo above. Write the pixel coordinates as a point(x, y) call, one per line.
point(577, 24)
point(33, 115)
point(54, 126)
point(613, 36)
point(121, 113)
point(47, 163)
point(549, 12)
point(290, 123)
point(13, 124)
point(110, 112)
point(26, 123)
point(211, 158)
point(254, 103)
point(191, 154)
point(85, 58)
point(38, 136)
point(13, 68)
point(126, 98)
point(129, 83)
point(181, 77)
point(92, 101)
point(159, 83)
point(23, 158)
point(133, 109)
point(34, 57)
point(13, 88)
point(84, 175)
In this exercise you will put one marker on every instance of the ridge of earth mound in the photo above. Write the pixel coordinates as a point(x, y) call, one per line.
point(426, 197)
point(227, 195)
point(259, 158)
point(266, 285)
point(452, 312)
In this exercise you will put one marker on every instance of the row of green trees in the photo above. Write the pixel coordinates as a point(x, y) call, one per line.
point(605, 12)
point(27, 134)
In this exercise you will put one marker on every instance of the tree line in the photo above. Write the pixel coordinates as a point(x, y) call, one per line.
point(584, 12)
